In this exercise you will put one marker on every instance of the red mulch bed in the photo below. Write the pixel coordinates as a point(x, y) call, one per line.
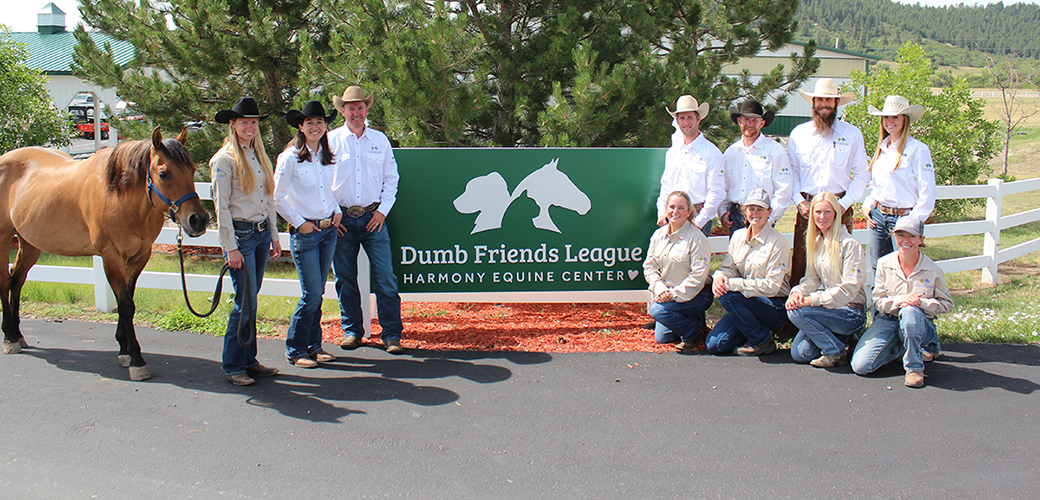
point(519, 327)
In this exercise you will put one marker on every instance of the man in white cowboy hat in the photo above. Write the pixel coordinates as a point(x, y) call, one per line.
point(826, 154)
point(754, 162)
point(694, 166)
point(365, 186)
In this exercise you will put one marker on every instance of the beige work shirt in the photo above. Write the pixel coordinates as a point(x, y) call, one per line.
point(678, 262)
point(841, 287)
point(890, 285)
point(759, 266)
point(231, 203)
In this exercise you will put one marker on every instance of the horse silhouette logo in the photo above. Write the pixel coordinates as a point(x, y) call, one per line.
point(489, 194)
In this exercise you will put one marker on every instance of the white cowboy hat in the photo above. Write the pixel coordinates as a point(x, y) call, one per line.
point(688, 103)
point(825, 87)
point(898, 105)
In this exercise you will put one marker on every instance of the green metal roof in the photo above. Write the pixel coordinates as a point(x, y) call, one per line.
point(52, 54)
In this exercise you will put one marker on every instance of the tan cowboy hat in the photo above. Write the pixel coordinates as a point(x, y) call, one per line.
point(352, 94)
point(688, 103)
point(898, 105)
point(825, 87)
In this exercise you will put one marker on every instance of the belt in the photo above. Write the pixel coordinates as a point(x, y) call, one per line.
point(245, 225)
point(809, 197)
point(697, 208)
point(357, 210)
point(320, 224)
point(891, 210)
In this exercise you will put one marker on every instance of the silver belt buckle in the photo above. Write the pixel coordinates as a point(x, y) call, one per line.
point(356, 211)
point(324, 223)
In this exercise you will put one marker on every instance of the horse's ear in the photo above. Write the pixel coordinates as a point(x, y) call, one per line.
point(156, 138)
point(183, 136)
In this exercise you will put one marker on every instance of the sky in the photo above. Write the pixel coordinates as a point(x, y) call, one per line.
point(20, 15)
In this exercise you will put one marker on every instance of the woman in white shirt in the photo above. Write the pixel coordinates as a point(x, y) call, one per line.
point(243, 184)
point(752, 284)
point(676, 268)
point(827, 318)
point(902, 176)
point(303, 195)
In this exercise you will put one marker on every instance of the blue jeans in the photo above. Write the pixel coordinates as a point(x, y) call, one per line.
point(823, 331)
point(891, 337)
point(254, 247)
point(312, 253)
point(680, 320)
point(384, 281)
point(736, 217)
point(750, 321)
point(882, 241)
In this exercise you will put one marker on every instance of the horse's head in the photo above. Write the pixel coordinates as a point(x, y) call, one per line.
point(171, 179)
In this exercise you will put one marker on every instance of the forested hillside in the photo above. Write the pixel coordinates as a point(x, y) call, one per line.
point(879, 27)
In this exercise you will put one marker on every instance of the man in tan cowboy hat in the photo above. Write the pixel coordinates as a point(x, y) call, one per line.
point(826, 154)
point(754, 162)
point(365, 186)
point(694, 166)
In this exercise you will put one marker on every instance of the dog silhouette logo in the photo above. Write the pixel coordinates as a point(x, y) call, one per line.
point(548, 186)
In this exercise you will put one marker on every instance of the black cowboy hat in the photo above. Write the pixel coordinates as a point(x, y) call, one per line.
point(245, 107)
point(313, 109)
point(753, 109)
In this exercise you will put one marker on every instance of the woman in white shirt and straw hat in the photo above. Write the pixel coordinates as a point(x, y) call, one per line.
point(902, 176)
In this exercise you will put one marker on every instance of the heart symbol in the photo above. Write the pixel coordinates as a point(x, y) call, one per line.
point(632, 273)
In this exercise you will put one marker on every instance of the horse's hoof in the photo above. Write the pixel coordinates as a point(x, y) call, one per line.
point(22, 342)
point(124, 360)
point(12, 347)
point(139, 373)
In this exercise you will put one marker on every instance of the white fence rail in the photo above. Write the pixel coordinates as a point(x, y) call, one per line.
point(991, 256)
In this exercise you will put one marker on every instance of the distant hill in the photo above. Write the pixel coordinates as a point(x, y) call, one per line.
point(879, 27)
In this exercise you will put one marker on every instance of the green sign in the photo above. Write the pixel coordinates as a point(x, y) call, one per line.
point(521, 220)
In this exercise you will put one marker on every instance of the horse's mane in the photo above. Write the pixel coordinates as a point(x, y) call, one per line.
point(129, 162)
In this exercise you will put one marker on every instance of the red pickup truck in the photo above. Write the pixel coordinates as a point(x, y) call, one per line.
point(83, 117)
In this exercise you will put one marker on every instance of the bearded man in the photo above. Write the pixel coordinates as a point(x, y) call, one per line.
point(826, 154)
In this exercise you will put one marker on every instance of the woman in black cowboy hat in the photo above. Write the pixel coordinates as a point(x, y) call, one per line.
point(303, 196)
point(243, 185)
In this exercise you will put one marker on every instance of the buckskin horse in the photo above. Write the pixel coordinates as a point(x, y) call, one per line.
point(112, 204)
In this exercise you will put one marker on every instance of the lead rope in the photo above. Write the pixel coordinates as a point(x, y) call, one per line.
point(246, 302)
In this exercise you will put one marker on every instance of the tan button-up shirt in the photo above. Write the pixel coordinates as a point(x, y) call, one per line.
point(231, 203)
point(842, 286)
point(890, 285)
point(678, 262)
point(759, 266)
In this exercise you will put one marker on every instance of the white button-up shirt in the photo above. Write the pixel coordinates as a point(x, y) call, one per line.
point(834, 162)
point(303, 190)
point(366, 170)
point(764, 165)
point(912, 185)
point(696, 169)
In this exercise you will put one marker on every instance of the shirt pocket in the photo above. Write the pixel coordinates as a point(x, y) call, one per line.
point(842, 149)
point(307, 176)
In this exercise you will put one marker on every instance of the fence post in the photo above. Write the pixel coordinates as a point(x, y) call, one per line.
point(991, 240)
point(364, 281)
point(104, 298)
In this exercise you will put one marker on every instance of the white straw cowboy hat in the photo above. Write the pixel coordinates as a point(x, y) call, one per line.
point(896, 105)
point(352, 94)
point(688, 103)
point(825, 87)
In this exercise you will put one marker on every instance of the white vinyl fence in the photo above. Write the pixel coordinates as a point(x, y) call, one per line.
point(992, 255)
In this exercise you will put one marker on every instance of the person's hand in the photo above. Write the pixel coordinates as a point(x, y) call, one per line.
point(724, 219)
point(794, 301)
point(665, 296)
point(720, 286)
point(336, 218)
point(376, 223)
point(911, 299)
point(235, 259)
point(276, 250)
point(870, 220)
point(662, 220)
point(803, 208)
point(307, 227)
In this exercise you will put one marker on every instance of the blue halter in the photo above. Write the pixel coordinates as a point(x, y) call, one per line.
point(174, 205)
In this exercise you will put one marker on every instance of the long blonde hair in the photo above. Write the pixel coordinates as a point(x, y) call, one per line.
point(246, 178)
point(829, 242)
point(899, 146)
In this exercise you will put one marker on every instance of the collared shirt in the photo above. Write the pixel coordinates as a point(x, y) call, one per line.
point(697, 169)
point(834, 162)
point(303, 190)
point(231, 203)
point(764, 165)
point(912, 185)
point(759, 266)
point(366, 170)
point(842, 285)
point(678, 262)
point(890, 285)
